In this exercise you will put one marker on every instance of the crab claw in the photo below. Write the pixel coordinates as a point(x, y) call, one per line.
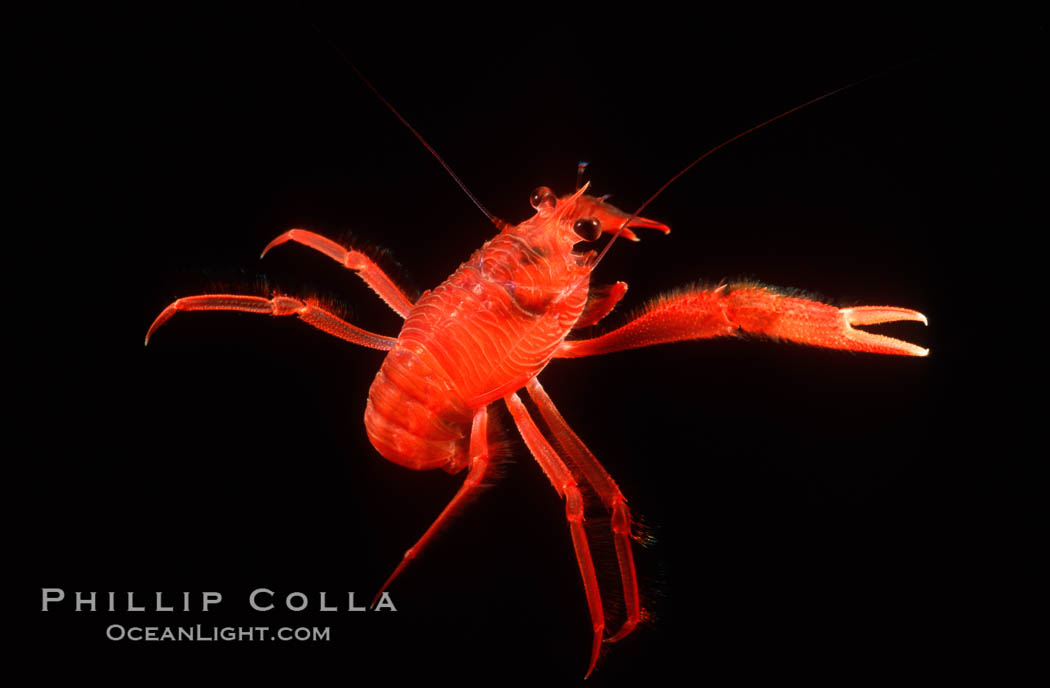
point(877, 343)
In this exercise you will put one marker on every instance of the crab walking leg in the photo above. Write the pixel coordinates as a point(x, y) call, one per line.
point(600, 303)
point(745, 308)
point(479, 463)
point(312, 315)
point(560, 476)
point(607, 491)
point(366, 269)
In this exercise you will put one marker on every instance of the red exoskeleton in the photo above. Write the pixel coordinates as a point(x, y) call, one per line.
point(491, 328)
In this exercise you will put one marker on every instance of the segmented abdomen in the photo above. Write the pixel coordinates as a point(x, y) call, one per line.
point(477, 337)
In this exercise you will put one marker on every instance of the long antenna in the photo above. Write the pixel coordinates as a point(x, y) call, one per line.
point(725, 143)
point(492, 218)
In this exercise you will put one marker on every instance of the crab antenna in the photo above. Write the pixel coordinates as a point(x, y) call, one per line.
point(725, 143)
point(492, 218)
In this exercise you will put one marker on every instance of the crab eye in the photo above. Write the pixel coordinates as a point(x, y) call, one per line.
point(588, 228)
point(542, 196)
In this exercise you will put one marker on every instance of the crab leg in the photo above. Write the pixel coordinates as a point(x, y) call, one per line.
point(479, 463)
point(560, 476)
point(730, 310)
point(600, 302)
point(607, 491)
point(365, 267)
point(309, 313)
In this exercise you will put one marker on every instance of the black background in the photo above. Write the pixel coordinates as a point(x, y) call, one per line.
point(814, 513)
